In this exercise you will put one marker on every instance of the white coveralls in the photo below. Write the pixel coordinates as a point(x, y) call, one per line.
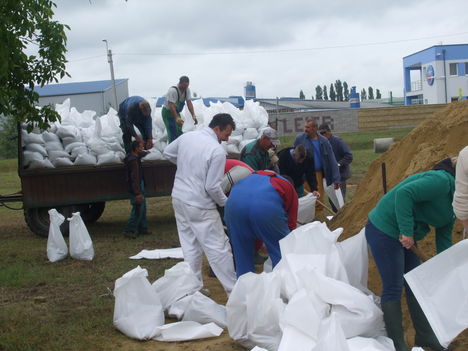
point(200, 161)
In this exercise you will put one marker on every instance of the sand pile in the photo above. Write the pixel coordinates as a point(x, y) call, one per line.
point(440, 136)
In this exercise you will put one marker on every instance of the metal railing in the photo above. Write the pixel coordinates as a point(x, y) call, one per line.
point(416, 85)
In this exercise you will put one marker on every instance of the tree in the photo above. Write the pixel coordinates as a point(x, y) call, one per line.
point(378, 95)
point(339, 90)
point(8, 137)
point(318, 92)
point(325, 94)
point(301, 95)
point(25, 27)
point(332, 93)
point(371, 93)
point(345, 91)
point(363, 94)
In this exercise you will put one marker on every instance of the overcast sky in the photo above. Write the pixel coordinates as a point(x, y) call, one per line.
point(281, 46)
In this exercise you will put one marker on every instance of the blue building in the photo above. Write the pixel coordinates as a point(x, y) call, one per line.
point(436, 75)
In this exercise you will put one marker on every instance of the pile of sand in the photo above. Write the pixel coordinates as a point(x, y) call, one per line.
point(440, 136)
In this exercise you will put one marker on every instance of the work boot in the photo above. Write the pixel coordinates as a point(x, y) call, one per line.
point(425, 336)
point(394, 324)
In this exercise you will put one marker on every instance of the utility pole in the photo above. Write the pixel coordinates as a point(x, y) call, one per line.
point(111, 64)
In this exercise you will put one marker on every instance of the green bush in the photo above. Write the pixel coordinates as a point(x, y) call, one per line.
point(8, 137)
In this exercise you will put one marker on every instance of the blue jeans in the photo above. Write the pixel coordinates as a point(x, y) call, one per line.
point(137, 223)
point(392, 261)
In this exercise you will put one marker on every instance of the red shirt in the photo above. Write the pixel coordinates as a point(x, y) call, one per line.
point(231, 162)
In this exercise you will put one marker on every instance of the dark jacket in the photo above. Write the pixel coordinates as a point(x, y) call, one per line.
point(297, 171)
point(134, 172)
point(343, 156)
point(329, 164)
point(130, 115)
point(255, 156)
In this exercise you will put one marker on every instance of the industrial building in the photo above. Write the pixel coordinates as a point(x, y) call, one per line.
point(96, 96)
point(436, 75)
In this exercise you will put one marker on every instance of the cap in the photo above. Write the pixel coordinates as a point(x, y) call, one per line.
point(324, 128)
point(232, 176)
point(271, 134)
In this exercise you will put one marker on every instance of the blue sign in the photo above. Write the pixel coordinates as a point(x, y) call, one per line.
point(430, 75)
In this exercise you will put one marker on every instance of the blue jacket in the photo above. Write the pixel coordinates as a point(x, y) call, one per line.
point(130, 115)
point(329, 164)
point(343, 156)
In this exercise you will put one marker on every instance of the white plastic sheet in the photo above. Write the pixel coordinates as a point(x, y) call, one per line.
point(184, 331)
point(138, 311)
point(381, 343)
point(56, 246)
point(81, 245)
point(176, 283)
point(441, 287)
point(159, 254)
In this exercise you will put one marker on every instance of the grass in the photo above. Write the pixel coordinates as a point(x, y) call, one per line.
point(66, 305)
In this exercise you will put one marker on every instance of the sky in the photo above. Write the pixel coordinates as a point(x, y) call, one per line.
point(283, 47)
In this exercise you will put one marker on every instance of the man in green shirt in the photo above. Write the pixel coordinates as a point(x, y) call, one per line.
point(255, 154)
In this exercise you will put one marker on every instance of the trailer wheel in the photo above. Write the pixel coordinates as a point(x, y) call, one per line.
point(92, 212)
point(38, 221)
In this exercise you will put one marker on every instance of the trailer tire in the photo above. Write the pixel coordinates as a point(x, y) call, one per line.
point(38, 221)
point(92, 212)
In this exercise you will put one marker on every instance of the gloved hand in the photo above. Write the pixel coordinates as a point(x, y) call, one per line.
point(195, 120)
point(273, 158)
point(179, 120)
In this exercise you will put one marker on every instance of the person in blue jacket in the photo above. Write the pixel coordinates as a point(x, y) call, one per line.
point(270, 217)
point(135, 111)
point(325, 163)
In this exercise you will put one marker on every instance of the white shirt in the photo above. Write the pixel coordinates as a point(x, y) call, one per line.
point(460, 198)
point(172, 95)
point(200, 161)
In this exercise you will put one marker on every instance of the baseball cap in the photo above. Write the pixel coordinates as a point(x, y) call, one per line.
point(324, 128)
point(271, 134)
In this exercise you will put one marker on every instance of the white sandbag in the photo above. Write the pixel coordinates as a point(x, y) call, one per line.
point(202, 309)
point(50, 137)
point(54, 154)
point(159, 254)
point(254, 309)
point(441, 287)
point(189, 123)
point(73, 145)
point(81, 245)
point(80, 150)
point(108, 158)
point(306, 210)
point(354, 256)
point(153, 156)
point(29, 156)
point(256, 348)
point(357, 312)
point(331, 335)
point(97, 146)
point(115, 146)
point(177, 309)
point(38, 164)
point(85, 159)
point(177, 282)
point(87, 119)
point(138, 312)
point(56, 247)
point(250, 133)
point(62, 161)
point(335, 195)
point(160, 145)
point(53, 146)
point(184, 331)
point(381, 343)
point(37, 148)
point(301, 321)
point(232, 149)
point(63, 109)
point(70, 140)
point(235, 139)
point(70, 131)
point(31, 138)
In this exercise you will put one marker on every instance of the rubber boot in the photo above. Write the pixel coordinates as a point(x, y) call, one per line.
point(394, 324)
point(425, 336)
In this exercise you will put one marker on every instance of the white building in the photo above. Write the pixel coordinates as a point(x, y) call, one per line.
point(96, 96)
point(436, 75)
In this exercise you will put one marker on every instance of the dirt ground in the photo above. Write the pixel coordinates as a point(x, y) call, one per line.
point(441, 136)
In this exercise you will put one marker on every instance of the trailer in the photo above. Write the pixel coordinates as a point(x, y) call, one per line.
point(81, 188)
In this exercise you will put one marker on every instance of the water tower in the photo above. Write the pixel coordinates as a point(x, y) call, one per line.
point(249, 91)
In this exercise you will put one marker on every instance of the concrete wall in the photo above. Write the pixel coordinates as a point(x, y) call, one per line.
point(353, 120)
